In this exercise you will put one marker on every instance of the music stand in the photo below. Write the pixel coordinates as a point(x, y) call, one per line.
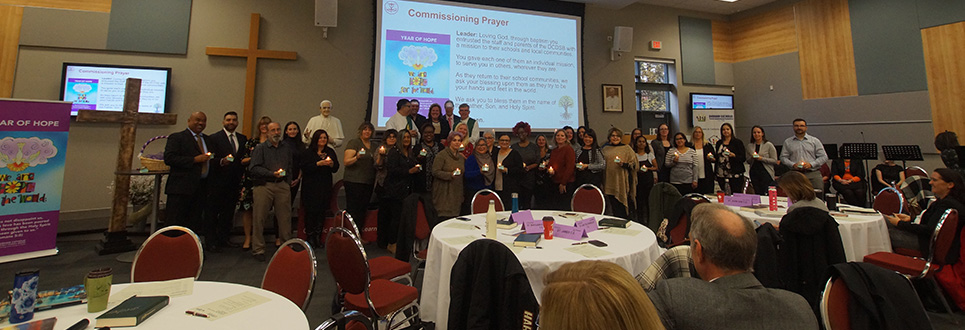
point(861, 151)
point(960, 151)
point(903, 153)
point(831, 149)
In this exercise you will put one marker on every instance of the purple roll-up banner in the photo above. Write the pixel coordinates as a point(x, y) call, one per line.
point(33, 150)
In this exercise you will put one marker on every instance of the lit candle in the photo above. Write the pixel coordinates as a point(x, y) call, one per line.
point(230, 158)
point(281, 172)
point(382, 149)
point(579, 165)
point(616, 159)
point(710, 155)
point(462, 146)
point(542, 165)
point(423, 153)
point(550, 171)
point(328, 158)
point(456, 172)
point(208, 153)
point(485, 168)
point(419, 166)
point(362, 152)
point(756, 155)
point(500, 166)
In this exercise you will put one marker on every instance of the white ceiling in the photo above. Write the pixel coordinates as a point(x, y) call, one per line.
point(707, 6)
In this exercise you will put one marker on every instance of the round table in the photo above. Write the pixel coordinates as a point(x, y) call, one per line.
point(632, 252)
point(278, 313)
point(861, 235)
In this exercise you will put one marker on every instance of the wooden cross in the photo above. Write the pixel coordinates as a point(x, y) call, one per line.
point(116, 239)
point(252, 53)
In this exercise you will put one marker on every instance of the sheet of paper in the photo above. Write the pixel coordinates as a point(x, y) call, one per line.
point(227, 306)
point(588, 251)
point(461, 240)
point(462, 225)
point(623, 231)
point(172, 288)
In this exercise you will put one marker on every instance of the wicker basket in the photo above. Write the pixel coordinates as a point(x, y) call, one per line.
point(152, 164)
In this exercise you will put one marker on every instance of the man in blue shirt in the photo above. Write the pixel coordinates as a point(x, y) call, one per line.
point(805, 153)
point(271, 161)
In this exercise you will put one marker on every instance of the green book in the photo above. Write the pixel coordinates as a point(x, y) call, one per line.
point(614, 222)
point(132, 311)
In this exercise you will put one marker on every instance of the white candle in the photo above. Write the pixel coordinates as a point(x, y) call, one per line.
point(230, 158)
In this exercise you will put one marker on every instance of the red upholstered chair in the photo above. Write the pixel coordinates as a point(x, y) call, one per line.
point(588, 199)
point(378, 299)
point(333, 201)
point(170, 253)
point(889, 201)
point(680, 234)
point(916, 170)
point(480, 201)
point(924, 269)
point(422, 232)
point(348, 320)
point(384, 267)
point(291, 272)
point(834, 305)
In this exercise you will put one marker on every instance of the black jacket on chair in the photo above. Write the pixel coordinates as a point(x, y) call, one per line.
point(765, 262)
point(812, 243)
point(488, 289)
point(880, 298)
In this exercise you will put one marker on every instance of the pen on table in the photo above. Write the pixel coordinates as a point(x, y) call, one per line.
point(196, 314)
point(477, 227)
point(82, 324)
point(533, 247)
point(578, 243)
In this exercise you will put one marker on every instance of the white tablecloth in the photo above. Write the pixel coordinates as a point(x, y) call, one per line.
point(861, 235)
point(279, 313)
point(633, 253)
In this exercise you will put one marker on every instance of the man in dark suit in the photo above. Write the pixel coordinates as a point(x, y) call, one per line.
point(448, 120)
point(188, 155)
point(727, 296)
point(224, 183)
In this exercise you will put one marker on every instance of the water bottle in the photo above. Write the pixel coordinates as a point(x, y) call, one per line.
point(491, 220)
point(515, 202)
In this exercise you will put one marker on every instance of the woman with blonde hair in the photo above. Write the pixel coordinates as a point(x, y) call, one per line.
point(593, 294)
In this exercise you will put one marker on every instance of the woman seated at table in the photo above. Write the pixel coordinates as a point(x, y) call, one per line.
point(950, 190)
point(621, 176)
point(593, 294)
point(589, 161)
point(509, 170)
point(480, 173)
point(846, 177)
point(681, 163)
point(448, 169)
point(886, 174)
point(800, 191)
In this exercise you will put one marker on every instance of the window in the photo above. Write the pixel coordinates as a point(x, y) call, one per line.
point(655, 85)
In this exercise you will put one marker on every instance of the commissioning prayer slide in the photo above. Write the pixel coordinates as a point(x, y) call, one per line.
point(509, 65)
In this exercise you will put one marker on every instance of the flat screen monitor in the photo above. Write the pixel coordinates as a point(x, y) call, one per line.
point(711, 101)
point(101, 87)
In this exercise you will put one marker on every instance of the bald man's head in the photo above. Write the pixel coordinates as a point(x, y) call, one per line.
point(197, 122)
point(727, 239)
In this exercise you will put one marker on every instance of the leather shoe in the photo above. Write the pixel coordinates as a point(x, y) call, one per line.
point(260, 257)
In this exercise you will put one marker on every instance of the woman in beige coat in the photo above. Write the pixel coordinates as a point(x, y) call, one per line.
point(448, 169)
point(620, 186)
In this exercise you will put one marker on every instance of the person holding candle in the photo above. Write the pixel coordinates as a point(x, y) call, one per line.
point(448, 169)
point(705, 161)
point(271, 162)
point(319, 164)
point(804, 153)
point(247, 183)
point(390, 140)
point(621, 174)
point(187, 153)
point(561, 168)
point(359, 176)
point(530, 154)
point(660, 146)
point(465, 147)
point(293, 134)
point(480, 173)
point(544, 187)
point(646, 177)
point(400, 167)
point(424, 154)
point(730, 160)
point(590, 162)
point(761, 156)
point(224, 183)
point(509, 169)
point(680, 163)
point(436, 121)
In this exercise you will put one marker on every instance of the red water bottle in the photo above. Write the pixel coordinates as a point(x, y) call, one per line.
point(548, 227)
point(772, 198)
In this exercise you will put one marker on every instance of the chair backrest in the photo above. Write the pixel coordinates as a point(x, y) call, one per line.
point(889, 201)
point(480, 201)
point(333, 200)
point(422, 230)
point(347, 260)
point(344, 219)
point(351, 320)
point(170, 253)
point(781, 192)
point(915, 170)
point(681, 232)
point(291, 272)
point(943, 237)
point(588, 199)
point(834, 305)
point(492, 265)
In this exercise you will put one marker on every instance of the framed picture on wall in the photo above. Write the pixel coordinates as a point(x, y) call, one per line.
point(612, 98)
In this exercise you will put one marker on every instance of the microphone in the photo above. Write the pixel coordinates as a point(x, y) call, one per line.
point(862, 137)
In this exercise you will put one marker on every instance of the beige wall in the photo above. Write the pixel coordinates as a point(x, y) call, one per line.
point(337, 68)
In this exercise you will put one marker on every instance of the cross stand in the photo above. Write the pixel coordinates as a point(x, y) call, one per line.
point(861, 151)
point(902, 153)
point(115, 239)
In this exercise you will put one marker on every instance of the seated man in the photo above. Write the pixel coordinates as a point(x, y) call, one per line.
point(729, 296)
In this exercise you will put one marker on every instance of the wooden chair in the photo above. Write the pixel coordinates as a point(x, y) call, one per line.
point(291, 272)
point(588, 199)
point(378, 299)
point(924, 269)
point(480, 201)
point(170, 253)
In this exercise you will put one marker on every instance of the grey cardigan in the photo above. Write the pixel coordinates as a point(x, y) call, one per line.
point(768, 156)
point(683, 170)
